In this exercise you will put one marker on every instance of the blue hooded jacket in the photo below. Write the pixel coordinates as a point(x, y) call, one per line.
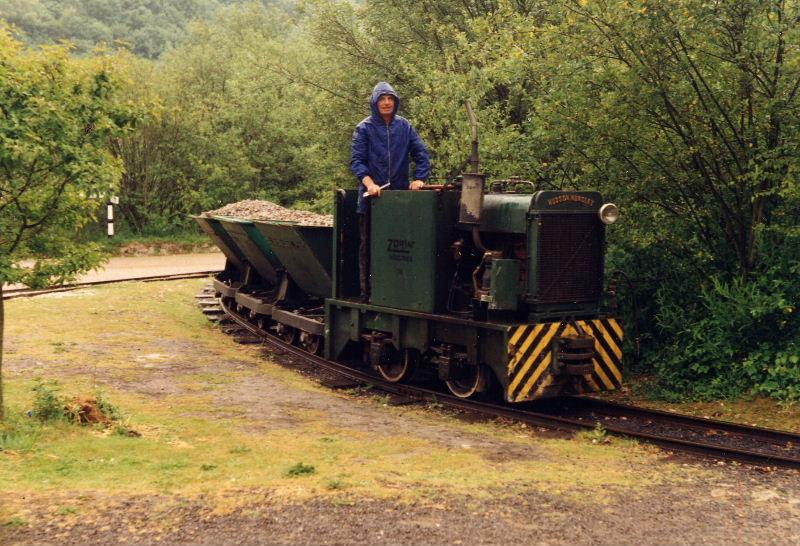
point(382, 150)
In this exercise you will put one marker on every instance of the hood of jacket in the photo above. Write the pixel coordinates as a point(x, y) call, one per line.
point(382, 88)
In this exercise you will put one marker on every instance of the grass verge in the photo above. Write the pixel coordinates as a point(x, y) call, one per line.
point(215, 417)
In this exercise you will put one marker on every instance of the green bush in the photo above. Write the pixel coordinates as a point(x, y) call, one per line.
point(48, 403)
point(738, 337)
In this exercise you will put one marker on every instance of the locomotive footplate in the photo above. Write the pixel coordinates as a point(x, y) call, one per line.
point(224, 289)
point(254, 303)
point(307, 324)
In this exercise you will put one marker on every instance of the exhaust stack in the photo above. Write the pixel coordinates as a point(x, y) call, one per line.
point(472, 183)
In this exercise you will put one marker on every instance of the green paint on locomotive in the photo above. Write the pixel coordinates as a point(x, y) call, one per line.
point(410, 235)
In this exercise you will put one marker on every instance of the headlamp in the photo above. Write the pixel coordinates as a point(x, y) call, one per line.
point(609, 213)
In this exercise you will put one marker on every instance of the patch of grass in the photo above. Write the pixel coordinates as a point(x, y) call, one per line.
point(124, 429)
point(206, 467)
point(299, 469)
point(360, 390)
point(335, 485)
point(18, 434)
point(67, 510)
point(239, 450)
point(15, 523)
point(752, 410)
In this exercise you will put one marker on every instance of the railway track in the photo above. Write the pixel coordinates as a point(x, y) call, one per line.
point(10, 294)
point(682, 433)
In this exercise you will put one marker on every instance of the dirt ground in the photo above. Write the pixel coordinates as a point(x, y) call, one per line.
point(137, 266)
point(745, 508)
point(701, 502)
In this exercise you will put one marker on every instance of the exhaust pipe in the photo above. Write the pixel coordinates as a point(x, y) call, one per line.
point(472, 186)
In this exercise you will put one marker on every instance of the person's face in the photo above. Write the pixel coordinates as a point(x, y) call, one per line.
point(386, 104)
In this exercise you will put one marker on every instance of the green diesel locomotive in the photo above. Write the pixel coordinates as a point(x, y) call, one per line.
point(501, 290)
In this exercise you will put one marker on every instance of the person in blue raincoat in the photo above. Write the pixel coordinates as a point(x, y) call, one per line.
point(383, 145)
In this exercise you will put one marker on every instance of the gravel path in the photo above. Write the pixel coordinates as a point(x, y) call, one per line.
point(749, 507)
point(131, 267)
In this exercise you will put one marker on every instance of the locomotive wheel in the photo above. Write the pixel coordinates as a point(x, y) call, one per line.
point(287, 333)
point(262, 322)
point(397, 367)
point(468, 380)
point(311, 343)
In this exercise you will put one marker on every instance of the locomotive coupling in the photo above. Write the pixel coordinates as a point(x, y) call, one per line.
point(575, 354)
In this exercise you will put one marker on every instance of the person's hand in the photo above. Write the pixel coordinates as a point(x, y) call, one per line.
point(417, 185)
point(373, 189)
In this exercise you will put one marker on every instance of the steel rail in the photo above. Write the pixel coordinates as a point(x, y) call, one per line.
point(10, 294)
point(617, 409)
point(549, 420)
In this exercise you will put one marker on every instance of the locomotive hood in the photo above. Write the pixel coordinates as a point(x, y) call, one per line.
point(382, 88)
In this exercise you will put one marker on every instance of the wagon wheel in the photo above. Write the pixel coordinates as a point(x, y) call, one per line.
point(287, 333)
point(397, 366)
point(262, 322)
point(311, 343)
point(466, 380)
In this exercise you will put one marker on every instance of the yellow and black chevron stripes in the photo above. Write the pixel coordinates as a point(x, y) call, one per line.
point(530, 355)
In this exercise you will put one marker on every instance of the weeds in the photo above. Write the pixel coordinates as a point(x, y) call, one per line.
point(15, 523)
point(48, 404)
point(360, 390)
point(299, 469)
point(106, 407)
point(598, 435)
point(335, 485)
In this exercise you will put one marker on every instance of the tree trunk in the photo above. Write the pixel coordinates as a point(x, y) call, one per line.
point(2, 327)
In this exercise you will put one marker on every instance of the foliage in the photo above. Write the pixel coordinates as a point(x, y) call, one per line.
point(106, 407)
point(58, 115)
point(48, 403)
point(147, 28)
point(689, 115)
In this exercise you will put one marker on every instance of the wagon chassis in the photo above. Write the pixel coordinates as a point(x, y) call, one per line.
point(681, 433)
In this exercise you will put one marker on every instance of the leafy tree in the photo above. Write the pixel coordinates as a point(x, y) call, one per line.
point(56, 118)
point(687, 111)
point(148, 28)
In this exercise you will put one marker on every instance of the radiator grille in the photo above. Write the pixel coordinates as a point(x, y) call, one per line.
point(570, 258)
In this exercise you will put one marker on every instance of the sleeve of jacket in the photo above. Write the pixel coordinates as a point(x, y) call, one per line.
point(422, 162)
point(359, 153)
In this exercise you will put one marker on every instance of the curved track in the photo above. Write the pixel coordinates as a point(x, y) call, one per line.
point(706, 437)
